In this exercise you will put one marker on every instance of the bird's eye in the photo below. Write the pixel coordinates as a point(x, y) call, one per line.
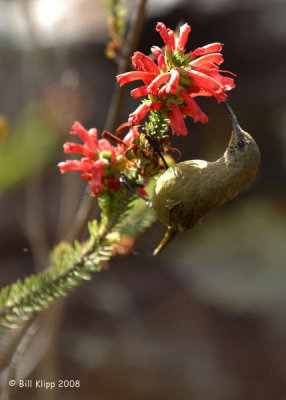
point(240, 143)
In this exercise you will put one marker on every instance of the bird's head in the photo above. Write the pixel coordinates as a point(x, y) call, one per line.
point(242, 149)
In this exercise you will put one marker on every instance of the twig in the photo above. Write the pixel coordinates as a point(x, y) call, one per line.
point(129, 47)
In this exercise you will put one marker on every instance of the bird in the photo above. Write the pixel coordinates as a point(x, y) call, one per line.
point(185, 192)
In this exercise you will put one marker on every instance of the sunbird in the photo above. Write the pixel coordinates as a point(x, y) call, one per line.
point(185, 192)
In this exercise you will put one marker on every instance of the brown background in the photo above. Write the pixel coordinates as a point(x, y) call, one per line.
point(206, 319)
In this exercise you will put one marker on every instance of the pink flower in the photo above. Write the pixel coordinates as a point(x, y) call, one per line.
point(177, 76)
point(101, 163)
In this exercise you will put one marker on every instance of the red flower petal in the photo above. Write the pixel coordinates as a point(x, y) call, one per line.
point(209, 48)
point(162, 92)
point(193, 110)
point(138, 114)
point(205, 82)
point(177, 121)
point(226, 82)
point(195, 91)
point(104, 145)
point(207, 60)
point(146, 64)
point(156, 105)
point(131, 76)
point(157, 82)
point(172, 41)
point(139, 92)
point(89, 137)
point(220, 97)
point(182, 40)
point(86, 176)
point(159, 55)
point(173, 82)
point(132, 135)
point(96, 185)
point(167, 35)
point(78, 148)
point(75, 165)
point(142, 110)
point(197, 115)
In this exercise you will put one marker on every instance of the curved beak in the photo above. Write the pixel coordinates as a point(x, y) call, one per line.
point(235, 124)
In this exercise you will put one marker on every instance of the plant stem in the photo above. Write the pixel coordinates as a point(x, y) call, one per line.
point(95, 246)
point(129, 47)
point(86, 207)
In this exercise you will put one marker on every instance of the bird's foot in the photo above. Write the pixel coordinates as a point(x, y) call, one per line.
point(154, 142)
point(131, 185)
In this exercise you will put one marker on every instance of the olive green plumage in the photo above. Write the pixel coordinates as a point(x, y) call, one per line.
point(187, 191)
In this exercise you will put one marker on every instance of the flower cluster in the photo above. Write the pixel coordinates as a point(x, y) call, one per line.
point(171, 82)
point(101, 163)
point(176, 78)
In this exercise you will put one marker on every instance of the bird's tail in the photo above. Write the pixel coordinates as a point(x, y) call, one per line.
point(166, 239)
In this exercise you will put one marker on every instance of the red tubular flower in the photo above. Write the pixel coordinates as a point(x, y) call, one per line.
point(146, 77)
point(167, 35)
point(138, 114)
point(77, 148)
point(173, 82)
point(178, 125)
point(205, 82)
point(208, 60)
point(159, 55)
point(157, 82)
point(101, 161)
point(192, 109)
point(97, 173)
point(74, 165)
point(142, 110)
point(177, 76)
point(131, 136)
point(139, 92)
point(184, 34)
point(209, 48)
point(145, 63)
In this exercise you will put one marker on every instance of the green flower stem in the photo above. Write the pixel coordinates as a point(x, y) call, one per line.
point(37, 292)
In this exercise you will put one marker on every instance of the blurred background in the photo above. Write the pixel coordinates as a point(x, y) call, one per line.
point(206, 318)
